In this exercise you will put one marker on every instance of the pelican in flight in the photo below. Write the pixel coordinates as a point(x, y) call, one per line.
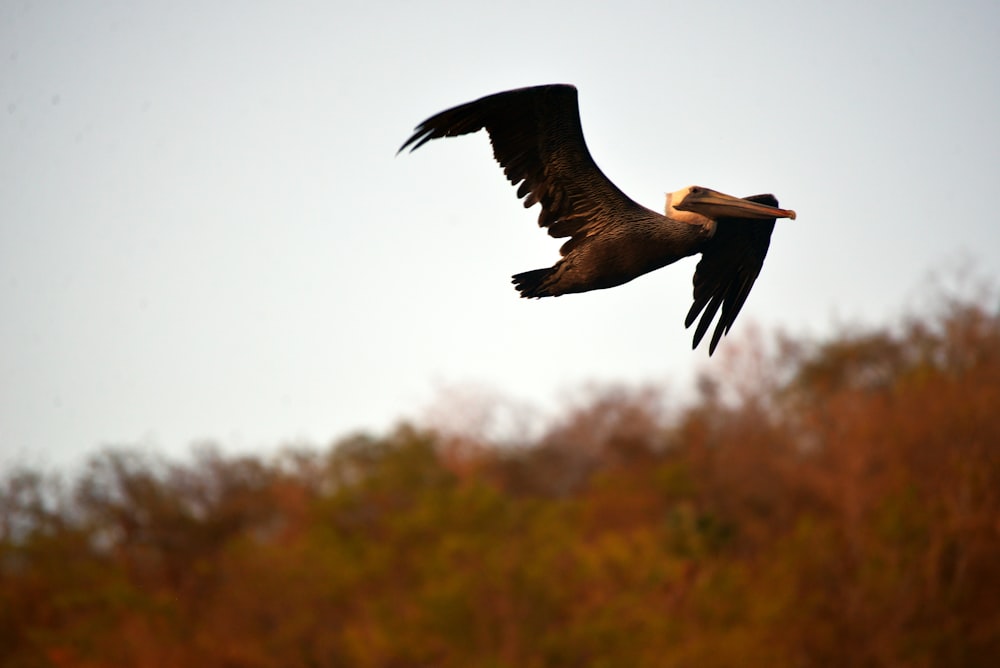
point(538, 140)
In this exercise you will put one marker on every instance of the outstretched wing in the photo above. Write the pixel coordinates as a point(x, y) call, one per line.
point(729, 265)
point(538, 140)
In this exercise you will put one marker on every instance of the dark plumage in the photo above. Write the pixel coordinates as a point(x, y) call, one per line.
point(538, 140)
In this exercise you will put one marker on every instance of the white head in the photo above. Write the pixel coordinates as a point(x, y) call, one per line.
point(682, 216)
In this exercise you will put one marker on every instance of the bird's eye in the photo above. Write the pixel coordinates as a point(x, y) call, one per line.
point(695, 190)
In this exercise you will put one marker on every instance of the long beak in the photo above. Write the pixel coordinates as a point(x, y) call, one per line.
point(714, 204)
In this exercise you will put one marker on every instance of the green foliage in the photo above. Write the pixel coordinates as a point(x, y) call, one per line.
point(844, 513)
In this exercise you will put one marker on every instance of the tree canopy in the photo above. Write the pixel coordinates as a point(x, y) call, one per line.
point(819, 504)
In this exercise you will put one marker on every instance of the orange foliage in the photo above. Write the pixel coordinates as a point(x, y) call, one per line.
point(840, 507)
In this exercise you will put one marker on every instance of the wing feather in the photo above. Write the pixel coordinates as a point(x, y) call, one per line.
point(729, 266)
point(538, 140)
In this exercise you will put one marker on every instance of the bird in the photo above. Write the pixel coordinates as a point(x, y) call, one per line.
point(537, 138)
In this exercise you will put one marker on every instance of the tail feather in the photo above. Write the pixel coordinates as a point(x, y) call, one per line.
point(534, 283)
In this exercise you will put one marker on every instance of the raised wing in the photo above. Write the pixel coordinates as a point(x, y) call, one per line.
point(729, 265)
point(538, 140)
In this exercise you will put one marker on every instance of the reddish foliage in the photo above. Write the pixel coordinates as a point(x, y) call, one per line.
point(840, 508)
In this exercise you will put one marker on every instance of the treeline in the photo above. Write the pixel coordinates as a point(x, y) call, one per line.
point(830, 504)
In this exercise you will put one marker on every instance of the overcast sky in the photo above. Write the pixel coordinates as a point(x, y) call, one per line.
point(205, 233)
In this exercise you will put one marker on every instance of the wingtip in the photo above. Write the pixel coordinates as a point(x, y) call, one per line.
point(419, 138)
point(712, 344)
point(696, 339)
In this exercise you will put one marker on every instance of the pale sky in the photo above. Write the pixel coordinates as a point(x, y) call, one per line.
point(205, 234)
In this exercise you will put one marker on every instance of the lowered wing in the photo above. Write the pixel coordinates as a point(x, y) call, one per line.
point(729, 265)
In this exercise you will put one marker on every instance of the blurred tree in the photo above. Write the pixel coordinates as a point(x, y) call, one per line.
point(831, 503)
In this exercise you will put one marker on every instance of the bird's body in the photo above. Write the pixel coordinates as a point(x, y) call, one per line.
point(538, 140)
point(639, 242)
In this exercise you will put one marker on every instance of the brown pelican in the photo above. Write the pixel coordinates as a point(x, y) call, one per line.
point(538, 140)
